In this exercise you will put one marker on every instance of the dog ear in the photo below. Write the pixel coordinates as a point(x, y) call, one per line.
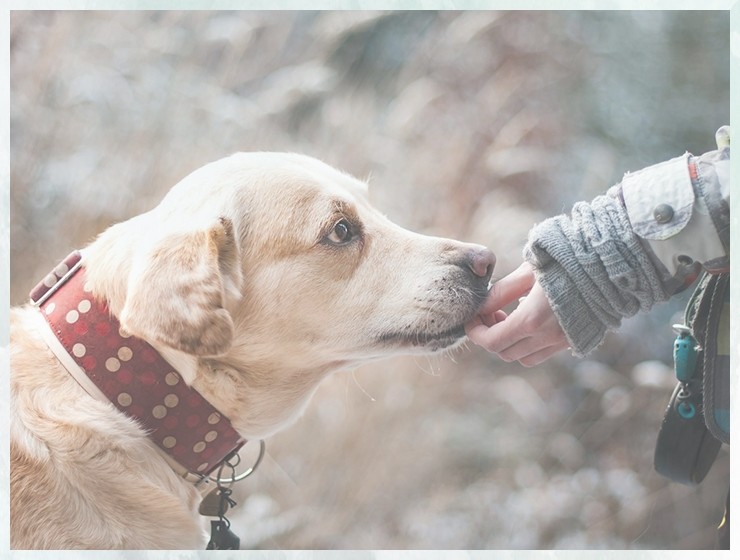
point(177, 292)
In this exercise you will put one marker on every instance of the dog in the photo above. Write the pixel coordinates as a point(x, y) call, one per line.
point(255, 277)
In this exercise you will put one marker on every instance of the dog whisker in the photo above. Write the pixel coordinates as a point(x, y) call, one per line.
point(368, 395)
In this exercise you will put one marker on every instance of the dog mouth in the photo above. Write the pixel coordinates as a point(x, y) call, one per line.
point(429, 340)
point(438, 330)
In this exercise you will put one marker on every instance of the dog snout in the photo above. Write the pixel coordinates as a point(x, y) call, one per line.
point(481, 262)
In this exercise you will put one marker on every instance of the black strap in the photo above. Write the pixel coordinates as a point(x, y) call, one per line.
point(710, 322)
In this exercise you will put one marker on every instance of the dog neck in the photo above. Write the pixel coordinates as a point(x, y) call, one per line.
point(259, 396)
point(111, 364)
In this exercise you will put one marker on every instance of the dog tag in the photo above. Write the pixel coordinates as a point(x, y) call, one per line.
point(221, 537)
point(214, 504)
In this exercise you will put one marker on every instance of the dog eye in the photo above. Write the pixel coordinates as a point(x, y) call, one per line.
point(342, 233)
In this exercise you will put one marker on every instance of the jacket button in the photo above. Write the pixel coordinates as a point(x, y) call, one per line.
point(663, 213)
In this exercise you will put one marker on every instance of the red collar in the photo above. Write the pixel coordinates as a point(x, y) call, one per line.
point(132, 375)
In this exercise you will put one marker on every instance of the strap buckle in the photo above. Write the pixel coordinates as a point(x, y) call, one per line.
point(55, 279)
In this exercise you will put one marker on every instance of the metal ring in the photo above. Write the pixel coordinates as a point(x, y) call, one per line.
point(232, 479)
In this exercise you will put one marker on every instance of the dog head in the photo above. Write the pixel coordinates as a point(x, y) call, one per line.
point(277, 264)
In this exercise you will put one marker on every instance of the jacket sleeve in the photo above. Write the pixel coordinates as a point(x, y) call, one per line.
point(646, 239)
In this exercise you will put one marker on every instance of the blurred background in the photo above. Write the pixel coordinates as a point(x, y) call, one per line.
point(472, 125)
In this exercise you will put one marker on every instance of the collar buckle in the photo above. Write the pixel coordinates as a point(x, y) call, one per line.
point(56, 278)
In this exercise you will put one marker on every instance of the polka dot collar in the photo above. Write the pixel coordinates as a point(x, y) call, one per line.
point(131, 374)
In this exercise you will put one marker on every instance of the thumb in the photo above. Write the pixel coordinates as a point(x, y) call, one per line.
point(510, 288)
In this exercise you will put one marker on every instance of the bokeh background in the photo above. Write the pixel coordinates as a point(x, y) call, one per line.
point(472, 125)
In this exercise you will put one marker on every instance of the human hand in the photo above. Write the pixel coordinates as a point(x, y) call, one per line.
point(530, 334)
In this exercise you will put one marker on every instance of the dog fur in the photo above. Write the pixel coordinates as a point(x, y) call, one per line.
point(244, 280)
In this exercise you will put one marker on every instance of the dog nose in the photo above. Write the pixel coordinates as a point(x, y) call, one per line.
point(481, 261)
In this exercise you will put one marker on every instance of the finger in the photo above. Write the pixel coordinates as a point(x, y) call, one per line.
point(476, 331)
point(531, 346)
point(510, 288)
point(543, 355)
point(487, 321)
point(546, 334)
point(522, 348)
point(498, 336)
point(492, 318)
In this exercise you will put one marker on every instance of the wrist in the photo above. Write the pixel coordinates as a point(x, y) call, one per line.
point(583, 329)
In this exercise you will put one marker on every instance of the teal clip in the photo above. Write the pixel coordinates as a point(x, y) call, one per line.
point(686, 409)
point(684, 353)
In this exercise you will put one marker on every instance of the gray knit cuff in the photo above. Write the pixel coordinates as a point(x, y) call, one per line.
point(582, 328)
point(593, 269)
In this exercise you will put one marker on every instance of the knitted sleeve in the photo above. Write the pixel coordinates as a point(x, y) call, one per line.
point(594, 269)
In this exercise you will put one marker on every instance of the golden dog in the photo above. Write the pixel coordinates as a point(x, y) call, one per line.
point(255, 277)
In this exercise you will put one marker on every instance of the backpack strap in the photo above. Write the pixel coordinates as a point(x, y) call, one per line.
point(696, 421)
point(711, 326)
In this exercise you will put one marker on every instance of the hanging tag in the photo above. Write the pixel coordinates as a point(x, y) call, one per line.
point(221, 536)
point(684, 353)
point(216, 503)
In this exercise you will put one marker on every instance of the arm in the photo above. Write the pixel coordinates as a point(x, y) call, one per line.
point(639, 244)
